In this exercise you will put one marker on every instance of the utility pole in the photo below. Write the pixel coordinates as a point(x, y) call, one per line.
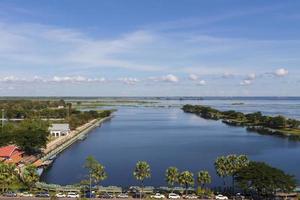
point(2, 123)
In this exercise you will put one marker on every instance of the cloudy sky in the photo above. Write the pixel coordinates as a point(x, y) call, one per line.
point(149, 48)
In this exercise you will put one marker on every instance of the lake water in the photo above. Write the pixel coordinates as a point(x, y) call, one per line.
point(169, 137)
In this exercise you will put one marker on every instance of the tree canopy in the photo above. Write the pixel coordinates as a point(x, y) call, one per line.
point(264, 179)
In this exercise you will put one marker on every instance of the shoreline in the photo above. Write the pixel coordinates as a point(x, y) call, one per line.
point(57, 146)
point(238, 119)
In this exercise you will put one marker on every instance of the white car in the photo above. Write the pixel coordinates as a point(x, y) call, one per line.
point(72, 195)
point(60, 195)
point(123, 196)
point(190, 196)
point(221, 197)
point(173, 196)
point(26, 194)
point(158, 196)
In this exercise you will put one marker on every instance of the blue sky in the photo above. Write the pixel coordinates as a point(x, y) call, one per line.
point(149, 48)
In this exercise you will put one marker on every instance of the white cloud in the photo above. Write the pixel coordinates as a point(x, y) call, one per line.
point(9, 79)
point(55, 79)
point(227, 75)
point(193, 77)
point(246, 82)
point(251, 76)
point(129, 80)
point(201, 82)
point(281, 72)
point(170, 78)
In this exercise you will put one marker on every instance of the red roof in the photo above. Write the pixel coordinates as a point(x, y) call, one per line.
point(7, 151)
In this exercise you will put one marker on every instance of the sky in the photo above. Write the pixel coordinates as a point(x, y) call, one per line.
point(149, 48)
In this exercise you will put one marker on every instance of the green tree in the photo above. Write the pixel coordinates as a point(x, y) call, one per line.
point(234, 164)
point(222, 168)
point(96, 171)
point(278, 122)
point(264, 179)
point(32, 135)
point(141, 172)
point(172, 174)
point(30, 176)
point(186, 178)
point(8, 175)
point(203, 177)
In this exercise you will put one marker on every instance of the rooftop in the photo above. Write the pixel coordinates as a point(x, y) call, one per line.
point(59, 127)
point(7, 151)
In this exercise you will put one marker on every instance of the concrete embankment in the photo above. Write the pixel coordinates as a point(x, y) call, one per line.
point(60, 144)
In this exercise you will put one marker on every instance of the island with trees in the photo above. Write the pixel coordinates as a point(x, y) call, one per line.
point(256, 122)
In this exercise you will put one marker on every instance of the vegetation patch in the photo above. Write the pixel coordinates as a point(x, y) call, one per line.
point(256, 122)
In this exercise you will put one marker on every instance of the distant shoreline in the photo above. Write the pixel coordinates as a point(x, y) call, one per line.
point(254, 122)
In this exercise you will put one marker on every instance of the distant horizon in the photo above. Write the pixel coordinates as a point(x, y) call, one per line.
point(280, 97)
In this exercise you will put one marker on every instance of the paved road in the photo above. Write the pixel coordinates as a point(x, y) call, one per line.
point(37, 198)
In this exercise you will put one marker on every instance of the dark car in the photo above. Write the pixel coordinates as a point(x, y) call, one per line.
point(106, 196)
point(90, 195)
point(138, 195)
point(238, 196)
point(43, 194)
point(10, 194)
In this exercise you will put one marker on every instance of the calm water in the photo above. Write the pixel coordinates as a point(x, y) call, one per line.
point(169, 137)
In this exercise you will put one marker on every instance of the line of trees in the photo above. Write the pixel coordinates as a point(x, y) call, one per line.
point(254, 178)
point(253, 119)
point(33, 108)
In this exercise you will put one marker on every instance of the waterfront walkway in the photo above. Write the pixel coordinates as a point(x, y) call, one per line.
point(58, 145)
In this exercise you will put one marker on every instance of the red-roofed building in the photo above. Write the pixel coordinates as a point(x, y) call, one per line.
point(11, 154)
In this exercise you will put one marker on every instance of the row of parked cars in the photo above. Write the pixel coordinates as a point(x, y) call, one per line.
point(41, 194)
point(108, 195)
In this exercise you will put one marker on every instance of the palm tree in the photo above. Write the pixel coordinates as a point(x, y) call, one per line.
point(30, 176)
point(203, 177)
point(172, 176)
point(141, 172)
point(186, 178)
point(221, 168)
point(96, 171)
point(235, 163)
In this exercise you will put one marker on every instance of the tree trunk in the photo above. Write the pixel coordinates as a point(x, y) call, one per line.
point(186, 189)
point(90, 185)
point(141, 193)
point(233, 184)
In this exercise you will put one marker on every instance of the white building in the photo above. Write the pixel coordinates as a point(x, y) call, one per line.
point(58, 130)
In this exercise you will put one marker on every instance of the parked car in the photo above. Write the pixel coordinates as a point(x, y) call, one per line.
point(138, 195)
point(239, 196)
point(158, 196)
point(25, 194)
point(190, 196)
point(221, 197)
point(10, 194)
point(106, 196)
point(73, 195)
point(42, 194)
point(61, 195)
point(173, 196)
point(123, 196)
point(90, 195)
